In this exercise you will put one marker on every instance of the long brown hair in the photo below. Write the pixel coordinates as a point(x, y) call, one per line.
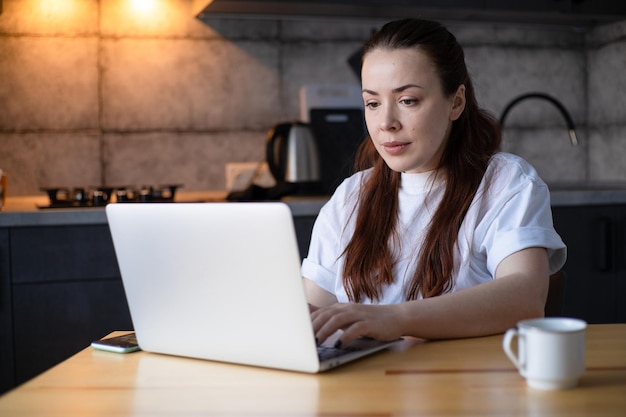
point(474, 138)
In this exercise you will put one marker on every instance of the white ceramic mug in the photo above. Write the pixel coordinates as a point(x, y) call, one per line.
point(550, 351)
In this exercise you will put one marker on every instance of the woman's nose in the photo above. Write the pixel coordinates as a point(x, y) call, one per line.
point(389, 120)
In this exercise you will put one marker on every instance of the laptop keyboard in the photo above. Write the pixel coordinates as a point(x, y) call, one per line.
point(329, 352)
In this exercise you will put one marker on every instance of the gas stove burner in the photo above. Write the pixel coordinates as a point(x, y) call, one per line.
point(65, 197)
point(80, 197)
point(162, 193)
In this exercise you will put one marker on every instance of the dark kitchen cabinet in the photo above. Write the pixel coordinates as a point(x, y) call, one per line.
point(595, 289)
point(577, 13)
point(304, 227)
point(7, 368)
point(61, 289)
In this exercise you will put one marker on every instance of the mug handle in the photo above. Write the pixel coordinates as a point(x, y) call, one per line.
point(506, 345)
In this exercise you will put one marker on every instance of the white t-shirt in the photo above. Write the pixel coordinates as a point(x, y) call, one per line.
point(510, 212)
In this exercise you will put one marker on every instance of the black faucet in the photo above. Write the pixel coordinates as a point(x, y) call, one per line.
point(562, 109)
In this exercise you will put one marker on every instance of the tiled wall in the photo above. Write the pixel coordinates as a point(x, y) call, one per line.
point(96, 92)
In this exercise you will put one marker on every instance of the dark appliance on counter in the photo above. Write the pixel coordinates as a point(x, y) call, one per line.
point(80, 197)
point(335, 113)
point(338, 133)
point(313, 156)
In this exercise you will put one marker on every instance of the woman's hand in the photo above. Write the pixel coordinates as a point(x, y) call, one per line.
point(518, 292)
point(381, 322)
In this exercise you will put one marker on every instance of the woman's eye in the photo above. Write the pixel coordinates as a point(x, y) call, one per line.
point(408, 101)
point(371, 105)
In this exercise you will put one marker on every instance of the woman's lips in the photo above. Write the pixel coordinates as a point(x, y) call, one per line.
point(395, 148)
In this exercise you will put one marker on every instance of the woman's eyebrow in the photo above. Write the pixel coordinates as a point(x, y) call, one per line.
point(406, 87)
point(395, 90)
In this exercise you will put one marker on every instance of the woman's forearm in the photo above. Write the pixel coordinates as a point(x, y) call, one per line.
point(519, 291)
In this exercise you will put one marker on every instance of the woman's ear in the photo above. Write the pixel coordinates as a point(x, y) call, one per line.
point(458, 103)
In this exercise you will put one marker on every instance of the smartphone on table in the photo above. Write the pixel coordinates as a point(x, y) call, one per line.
point(120, 344)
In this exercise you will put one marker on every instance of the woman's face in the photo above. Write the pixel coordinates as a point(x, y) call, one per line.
point(407, 115)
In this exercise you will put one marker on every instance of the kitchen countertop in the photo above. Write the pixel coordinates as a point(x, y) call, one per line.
point(587, 197)
point(23, 211)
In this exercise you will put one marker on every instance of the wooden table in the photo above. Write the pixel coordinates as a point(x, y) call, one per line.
point(457, 377)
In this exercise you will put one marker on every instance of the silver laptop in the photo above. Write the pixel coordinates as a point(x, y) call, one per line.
point(219, 281)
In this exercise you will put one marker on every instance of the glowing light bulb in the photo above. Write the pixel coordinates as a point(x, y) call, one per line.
point(143, 6)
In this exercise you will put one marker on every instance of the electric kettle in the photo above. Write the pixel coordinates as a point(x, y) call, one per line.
point(292, 157)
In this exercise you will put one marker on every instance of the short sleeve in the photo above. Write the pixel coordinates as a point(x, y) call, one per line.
point(331, 233)
point(520, 217)
point(319, 265)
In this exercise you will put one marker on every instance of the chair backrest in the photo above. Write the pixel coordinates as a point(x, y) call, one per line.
point(554, 304)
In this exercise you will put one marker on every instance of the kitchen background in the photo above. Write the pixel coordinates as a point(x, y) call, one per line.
point(108, 92)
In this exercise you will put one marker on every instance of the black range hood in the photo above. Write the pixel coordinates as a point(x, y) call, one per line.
point(582, 13)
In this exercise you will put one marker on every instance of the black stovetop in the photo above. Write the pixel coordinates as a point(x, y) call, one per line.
point(100, 196)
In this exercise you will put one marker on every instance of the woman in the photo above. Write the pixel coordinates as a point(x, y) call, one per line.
point(437, 235)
